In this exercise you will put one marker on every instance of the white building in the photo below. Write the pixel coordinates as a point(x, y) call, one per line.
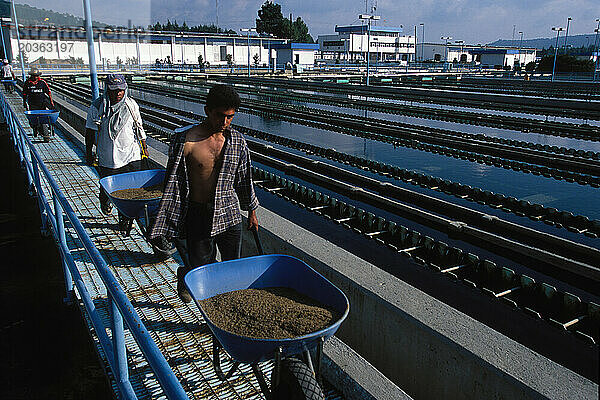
point(480, 55)
point(299, 54)
point(128, 46)
point(350, 44)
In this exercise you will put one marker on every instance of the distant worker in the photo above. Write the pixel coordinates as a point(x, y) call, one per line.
point(7, 74)
point(37, 96)
point(208, 180)
point(114, 125)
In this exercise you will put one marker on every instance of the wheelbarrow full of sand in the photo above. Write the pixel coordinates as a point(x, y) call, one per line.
point(297, 360)
point(137, 196)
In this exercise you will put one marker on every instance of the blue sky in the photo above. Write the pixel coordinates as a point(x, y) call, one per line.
point(472, 21)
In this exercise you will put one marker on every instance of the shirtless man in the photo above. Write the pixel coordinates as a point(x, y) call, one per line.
point(208, 180)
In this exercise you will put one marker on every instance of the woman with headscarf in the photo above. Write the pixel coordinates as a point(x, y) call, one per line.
point(114, 125)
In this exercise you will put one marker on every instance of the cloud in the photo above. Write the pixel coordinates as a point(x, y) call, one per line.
point(470, 20)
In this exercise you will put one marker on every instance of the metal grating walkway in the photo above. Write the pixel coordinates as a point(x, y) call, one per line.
point(177, 328)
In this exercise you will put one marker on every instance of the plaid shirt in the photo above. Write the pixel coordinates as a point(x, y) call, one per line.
point(233, 184)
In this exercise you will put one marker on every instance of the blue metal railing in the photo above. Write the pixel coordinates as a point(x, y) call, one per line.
point(121, 309)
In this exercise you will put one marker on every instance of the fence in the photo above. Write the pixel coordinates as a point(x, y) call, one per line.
point(121, 309)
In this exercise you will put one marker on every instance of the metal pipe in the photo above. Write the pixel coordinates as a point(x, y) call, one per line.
point(19, 42)
point(60, 233)
point(118, 341)
point(89, 33)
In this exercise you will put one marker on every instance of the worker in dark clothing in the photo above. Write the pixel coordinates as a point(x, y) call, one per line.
point(37, 96)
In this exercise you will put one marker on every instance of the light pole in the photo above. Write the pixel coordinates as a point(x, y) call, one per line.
point(248, 30)
point(520, 45)
point(461, 43)
point(567, 33)
point(558, 30)
point(446, 38)
point(369, 18)
point(19, 42)
point(268, 36)
point(2, 36)
point(422, 42)
point(597, 30)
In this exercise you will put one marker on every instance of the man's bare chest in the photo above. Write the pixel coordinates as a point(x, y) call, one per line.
point(205, 154)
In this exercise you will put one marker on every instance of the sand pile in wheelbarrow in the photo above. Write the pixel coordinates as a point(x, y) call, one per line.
point(150, 192)
point(270, 313)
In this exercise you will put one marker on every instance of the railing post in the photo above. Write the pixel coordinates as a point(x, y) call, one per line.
point(38, 185)
point(62, 240)
point(118, 339)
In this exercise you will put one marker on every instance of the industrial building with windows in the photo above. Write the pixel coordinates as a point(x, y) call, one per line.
point(490, 56)
point(384, 44)
point(128, 46)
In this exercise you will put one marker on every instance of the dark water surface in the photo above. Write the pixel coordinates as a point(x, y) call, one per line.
point(549, 192)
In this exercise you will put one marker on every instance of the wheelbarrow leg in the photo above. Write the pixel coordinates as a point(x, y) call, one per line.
point(217, 362)
point(261, 380)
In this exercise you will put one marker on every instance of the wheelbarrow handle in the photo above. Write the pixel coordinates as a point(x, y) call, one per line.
point(257, 241)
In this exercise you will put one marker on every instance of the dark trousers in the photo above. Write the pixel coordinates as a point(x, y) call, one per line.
point(201, 247)
point(104, 172)
point(39, 129)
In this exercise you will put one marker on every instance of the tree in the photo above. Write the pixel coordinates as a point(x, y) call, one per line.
point(229, 59)
point(200, 60)
point(565, 63)
point(271, 20)
point(300, 32)
point(255, 59)
point(530, 67)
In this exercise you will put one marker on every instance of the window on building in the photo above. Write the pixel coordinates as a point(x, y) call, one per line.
point(223, 53)
point(297, 58)
point(330, 43)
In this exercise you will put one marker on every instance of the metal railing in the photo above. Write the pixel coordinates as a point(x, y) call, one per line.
point(121, 309)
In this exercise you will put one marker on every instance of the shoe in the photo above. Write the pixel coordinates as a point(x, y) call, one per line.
point(106, 208)
point(162, 247)
point(183, 293)
point(125, 225)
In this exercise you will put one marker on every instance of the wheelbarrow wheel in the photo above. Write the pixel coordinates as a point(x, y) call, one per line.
point(296, 382)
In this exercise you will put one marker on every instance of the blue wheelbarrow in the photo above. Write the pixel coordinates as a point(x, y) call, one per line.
point(43, 117)
point(140, 210)
point(295, 375)
point(9, 84)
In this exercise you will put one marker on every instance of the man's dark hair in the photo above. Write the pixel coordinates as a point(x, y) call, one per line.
point(222, 96)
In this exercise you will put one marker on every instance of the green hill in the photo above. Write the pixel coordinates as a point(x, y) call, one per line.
point(28, 15)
